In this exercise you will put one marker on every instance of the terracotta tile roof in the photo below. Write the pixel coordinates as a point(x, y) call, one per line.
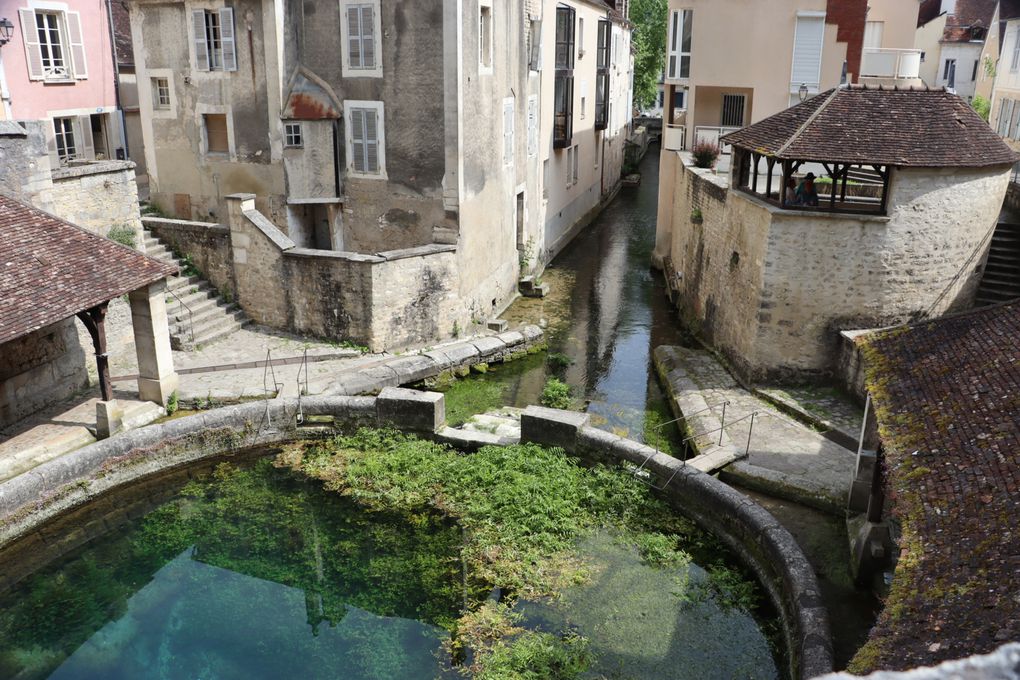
point(899, 127)
point(122, 33)
point(928, 10)
point(50, 269)
point(971, 13)
point(947, 398)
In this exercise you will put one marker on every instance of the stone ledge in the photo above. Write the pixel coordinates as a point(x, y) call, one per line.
point(420, 251)
point(312, 253)
point(184, 225)
point(92, 168)
point(262, 223)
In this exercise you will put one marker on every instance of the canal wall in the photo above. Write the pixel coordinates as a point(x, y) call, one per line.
point(30, 503)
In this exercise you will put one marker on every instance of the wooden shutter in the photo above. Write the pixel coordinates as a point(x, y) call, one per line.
point(508, 132)
point(371, 141)
point(358, 139)
point(807, 51)
point(84, 146)
point(355, 54)
point(201, 40)
point(368, 36)
point(30, 34)
point(79, 67)
point(217, 140)
point(228, 47)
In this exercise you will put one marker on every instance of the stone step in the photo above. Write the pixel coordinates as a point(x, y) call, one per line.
point(190, 295)
point(180, 313)
point(1000, 280)
point(178, 282)
point(210, 309)
point(212, 334)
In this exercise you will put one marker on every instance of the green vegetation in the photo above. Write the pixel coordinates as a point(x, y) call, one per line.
point(649, 42)
point(557, 394)
point(535, 656)
point(123, 234)
point(705, 154)
point(559, 362)
point(982, 106)
point(471, 397)
point(172, 404)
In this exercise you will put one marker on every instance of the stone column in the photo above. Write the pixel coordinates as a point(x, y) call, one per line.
point(156, 376)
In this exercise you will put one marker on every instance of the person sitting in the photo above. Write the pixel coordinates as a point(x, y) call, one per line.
point(790, 193)
point(807, 194)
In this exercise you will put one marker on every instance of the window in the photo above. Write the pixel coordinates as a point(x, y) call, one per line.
point(161, 93)
point(563, 94)
point(681, 26)
point(584, 102)
point(807, 52)
point(485, 37)
point(732, 110)
point(214, 39)
point(973, 76)
point(546, 180)
point(508, 131)
point(54, 48)
point(572, 164)
point(533, 125)
point(63, 129)
point(873, 31)
point(1005, 111)
point(580, 37)
point(217, 139)
point(292, 137)
point(535, 46)
point(602, 76)
point(949, 73)
point(366, 141)
point(360, 29)
point(923, 53)
point(1014, 63)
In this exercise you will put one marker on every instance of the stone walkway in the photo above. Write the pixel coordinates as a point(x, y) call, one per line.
point(825, 405)
point(785, 458)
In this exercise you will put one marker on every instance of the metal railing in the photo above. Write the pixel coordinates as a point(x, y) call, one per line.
point(267, 372)
point(721, 430)
point(890, 63)
point(191, 314)
point(674, 137)
point(712, 134)
point(302, 389)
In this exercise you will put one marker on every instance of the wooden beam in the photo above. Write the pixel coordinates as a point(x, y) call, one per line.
point(94, 320)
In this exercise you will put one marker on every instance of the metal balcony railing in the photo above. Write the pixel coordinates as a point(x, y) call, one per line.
point(891, 63)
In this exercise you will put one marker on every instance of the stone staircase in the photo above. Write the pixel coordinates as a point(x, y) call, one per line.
point(1001, 279)
point(196, 314)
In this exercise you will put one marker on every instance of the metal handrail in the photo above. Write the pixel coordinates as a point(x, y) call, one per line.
point(302, 390)
point(191, 314)
point(266, 372)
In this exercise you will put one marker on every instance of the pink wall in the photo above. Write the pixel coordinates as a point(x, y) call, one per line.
point(33, 99)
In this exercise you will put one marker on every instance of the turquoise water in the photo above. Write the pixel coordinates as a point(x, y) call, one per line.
point(259, 573)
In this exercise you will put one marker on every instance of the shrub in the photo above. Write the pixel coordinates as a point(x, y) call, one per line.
point(982, 106)
point(559, 362)
point(556, 394)
point(172, 404)
point(122, 234)
point(705, 154)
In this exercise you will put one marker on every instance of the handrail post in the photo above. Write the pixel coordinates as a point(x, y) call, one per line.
point(750, 428)
point(723, 423)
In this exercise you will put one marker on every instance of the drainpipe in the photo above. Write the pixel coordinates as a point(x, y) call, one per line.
point(116, 81)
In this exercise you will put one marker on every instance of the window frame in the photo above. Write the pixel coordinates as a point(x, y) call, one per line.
point(1014, 64)
point(723, 110)
point(348, 69)
point(679, 21)
point(573, 159)
point(379, 108)
point(157, 85)
point(563, 88)
point(603, 46)
point(219, 30)
point(69, 131)
point(486, 37)
point(949, 68)
point(206, 150)
point(70, 43)
point(293, 139)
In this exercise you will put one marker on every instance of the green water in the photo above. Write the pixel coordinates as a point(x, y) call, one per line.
point(260, 573)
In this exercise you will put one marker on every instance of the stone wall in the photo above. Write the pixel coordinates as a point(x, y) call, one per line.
point(38, 369)
point(98, 196)
point(207, 244)
point(773, 288)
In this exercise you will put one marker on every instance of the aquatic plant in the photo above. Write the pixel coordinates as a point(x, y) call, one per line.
point(557, 394)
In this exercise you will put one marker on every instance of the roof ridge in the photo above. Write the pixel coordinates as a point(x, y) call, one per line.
point(810, 119)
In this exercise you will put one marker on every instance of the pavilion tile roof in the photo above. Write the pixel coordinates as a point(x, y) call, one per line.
point(947, 398)
point(898, 127)
point(51, 269)
point(967, 15)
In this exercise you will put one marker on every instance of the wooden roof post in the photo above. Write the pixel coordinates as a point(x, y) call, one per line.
point(94, 320)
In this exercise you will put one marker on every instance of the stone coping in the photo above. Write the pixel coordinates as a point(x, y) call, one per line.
point(184, 224)
point(91, 168)
point(28, 502)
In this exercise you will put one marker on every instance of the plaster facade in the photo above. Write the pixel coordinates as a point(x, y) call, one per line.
point(1005, 95)
point(773, 288)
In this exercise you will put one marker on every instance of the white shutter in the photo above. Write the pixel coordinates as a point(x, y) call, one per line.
point(532, 125)
point(201, 41)
point(535, 58)
point(30, 34)
point(83, 138)
point(80, 69)
point(368, 36)
point(673, 44)
point(354, 53)
point(807, 51)
point(358, 139)
point(228, 47)
point(873, 31)
point(371, 142)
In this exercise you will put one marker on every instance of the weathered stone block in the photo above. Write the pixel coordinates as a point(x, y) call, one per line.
point(109, 416)
point(411, 410)
point(488, 346)
point(552, 427)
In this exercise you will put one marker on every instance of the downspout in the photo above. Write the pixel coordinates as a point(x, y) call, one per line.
point(116, 81)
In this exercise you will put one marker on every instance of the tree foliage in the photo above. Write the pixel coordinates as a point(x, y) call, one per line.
point(650, 19)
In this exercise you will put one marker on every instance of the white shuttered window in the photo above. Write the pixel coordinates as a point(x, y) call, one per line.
point(807, 52)
point(54, 48)
point(360, 32)
point(366, 141)
point(215, 48)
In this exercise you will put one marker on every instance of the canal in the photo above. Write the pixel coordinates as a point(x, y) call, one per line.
point(606, 312)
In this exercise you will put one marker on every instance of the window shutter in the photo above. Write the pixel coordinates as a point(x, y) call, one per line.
point(83, 138)
point(532, 126)
point(371, 142)
point(358, 139)
point(354, 54)
point(535, 60)
point(201, 42)
point(227, 39)
point(33, 56)
point(77, 45)
point(368, 36)
point(807, 51)
point(51, 146)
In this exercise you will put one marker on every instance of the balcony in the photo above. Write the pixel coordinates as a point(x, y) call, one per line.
point(674, 137)
point(891, 67)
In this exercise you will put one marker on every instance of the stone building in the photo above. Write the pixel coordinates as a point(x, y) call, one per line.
point(472, 138)
point(952, 35)
point(909, 188)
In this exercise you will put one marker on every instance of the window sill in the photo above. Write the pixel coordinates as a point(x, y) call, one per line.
point(362, 175)
point(58, 81)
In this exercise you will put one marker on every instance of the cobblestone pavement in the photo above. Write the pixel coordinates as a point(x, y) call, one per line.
point(785, 457)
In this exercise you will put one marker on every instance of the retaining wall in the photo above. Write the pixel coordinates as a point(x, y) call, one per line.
point(30, 501)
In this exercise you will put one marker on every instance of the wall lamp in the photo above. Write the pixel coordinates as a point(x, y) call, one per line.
point(6, 31)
